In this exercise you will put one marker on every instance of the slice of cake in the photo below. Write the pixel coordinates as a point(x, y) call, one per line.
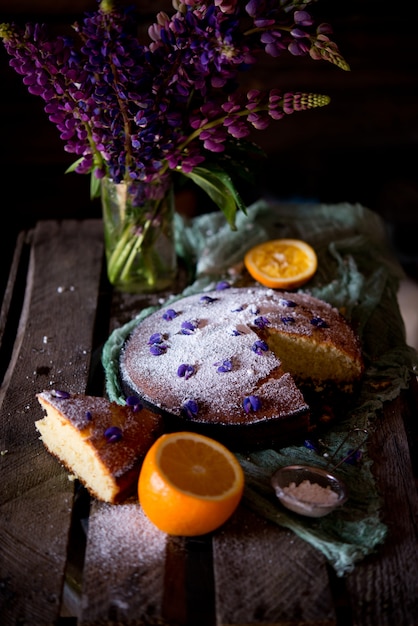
point(102, 443)
point(242, 365)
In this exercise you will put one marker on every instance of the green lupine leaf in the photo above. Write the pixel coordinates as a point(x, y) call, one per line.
point(73, 166)
point(94, 186)
point(218, 184)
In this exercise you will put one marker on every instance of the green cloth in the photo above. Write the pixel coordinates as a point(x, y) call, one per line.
point(357, 273)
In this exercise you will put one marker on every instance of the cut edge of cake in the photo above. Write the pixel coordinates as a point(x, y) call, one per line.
point(100, 442)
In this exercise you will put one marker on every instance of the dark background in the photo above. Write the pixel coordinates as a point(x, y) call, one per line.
point(362, 148)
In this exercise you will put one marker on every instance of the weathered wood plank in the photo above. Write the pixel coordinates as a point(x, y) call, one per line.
point(124, 569)
point(384, 587)
point(265, 574)
point(52, 348)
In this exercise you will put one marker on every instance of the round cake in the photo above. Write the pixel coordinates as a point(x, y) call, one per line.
point(243, 365)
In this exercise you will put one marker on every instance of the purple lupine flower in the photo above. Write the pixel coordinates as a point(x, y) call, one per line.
point(287, 319)
point(113, 434)
point(190, 408)
point(207, 300)
point(185, 370)
point(58, 393)
point(134, 403)
point(259, 347)
point(155, 339)
point(169, 315)
point(251, 403)
point(158, 349)
point(311, 445)
point(224, 366)
point(188, 327)
point(261, 322)
point(140, 112)
point(319, 322)
point(289, 303)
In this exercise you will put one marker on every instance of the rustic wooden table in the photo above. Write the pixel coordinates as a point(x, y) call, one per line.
point(56, 314)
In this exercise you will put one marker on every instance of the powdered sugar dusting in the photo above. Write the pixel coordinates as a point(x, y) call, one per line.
point(206, 334)
point(129, 552)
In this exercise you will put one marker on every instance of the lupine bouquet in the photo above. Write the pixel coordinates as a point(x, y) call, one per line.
point(139, 112)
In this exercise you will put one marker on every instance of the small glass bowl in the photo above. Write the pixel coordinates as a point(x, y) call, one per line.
point(319, 495)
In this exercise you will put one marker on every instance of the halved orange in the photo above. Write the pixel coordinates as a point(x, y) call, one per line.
point(189, 484)
point(282, 263)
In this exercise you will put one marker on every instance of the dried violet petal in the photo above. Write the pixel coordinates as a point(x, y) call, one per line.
point(169, 315)
point(251, 403)
point(62, 395)
point(185, 370)
point(261, 322)
point(190, 408)
point(237, 310)
point(235, 332)
point(134, 403)
point(254, 309)
point(89, 416)
point(223, 284)
point(319, 322)
point(113, 434)
point(259, 347)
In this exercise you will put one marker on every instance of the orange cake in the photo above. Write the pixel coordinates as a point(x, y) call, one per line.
point(243, 365)
point(102, 443)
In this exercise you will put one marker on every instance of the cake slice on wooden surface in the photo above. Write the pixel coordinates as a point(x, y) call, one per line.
point(102, 443)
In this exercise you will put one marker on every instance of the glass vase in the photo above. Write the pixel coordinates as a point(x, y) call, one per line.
point(139, 237)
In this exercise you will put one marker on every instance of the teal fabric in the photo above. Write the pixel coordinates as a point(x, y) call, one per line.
point(359, 274)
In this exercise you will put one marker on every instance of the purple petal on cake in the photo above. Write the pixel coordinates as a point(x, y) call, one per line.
point(261, 322)
point(188, 327)
point(237, 310)
point(190, 408)
point(157, 350)
point(288, 319)
point(319, 322)
point(169, 315)
point(155, 338)
point(251, 403)
point(259, 347)
point(185, 370)
point(223, 284)
point(113, 434)
point(134, 403)
point(89, 416)
point(207, 300)
point(63, 395)
point(225, 366)
point(285, 302)
point(235, 332)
